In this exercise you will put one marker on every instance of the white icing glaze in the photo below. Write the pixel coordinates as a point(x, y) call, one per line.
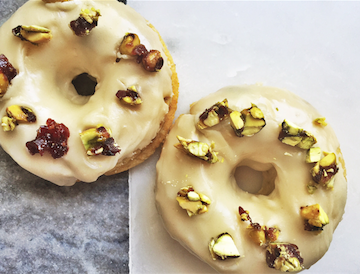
point(262, 151)
point(44, 84)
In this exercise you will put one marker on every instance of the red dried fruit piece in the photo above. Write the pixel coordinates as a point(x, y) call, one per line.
point(51, 138)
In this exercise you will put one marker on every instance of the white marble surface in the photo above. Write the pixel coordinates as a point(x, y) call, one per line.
point(310, 48)
point(49, 229)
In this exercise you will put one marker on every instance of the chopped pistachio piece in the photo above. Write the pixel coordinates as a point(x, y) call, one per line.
point(129, 96)
point(313, 155)
point(284, 257)
point(311, 187)
point(33, 34)
point(223, 247)
point(98, 141)
point(152, 61)
point(214, 115)
point(293, 135)
point(247, 123)
point(198, 149)
point(17, 114)
point(90, 15)
point(324, 171)
point(315, 217)
point(320, 121)
point(128, 44)
point(8, 124)
point(87, 20)
point(193, 202)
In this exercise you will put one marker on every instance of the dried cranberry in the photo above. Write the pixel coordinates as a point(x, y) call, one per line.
point(7, 68)
point(51, 138)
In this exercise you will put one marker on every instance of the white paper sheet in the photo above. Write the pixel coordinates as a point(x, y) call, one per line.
point(310, 48)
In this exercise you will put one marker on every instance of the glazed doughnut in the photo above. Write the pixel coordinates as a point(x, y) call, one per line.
point(56, 128)
point(285, 222)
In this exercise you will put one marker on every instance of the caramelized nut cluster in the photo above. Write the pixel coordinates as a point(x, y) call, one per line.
point(198, 149)
point(293, 135)
point(129, 96)
point(51, 138)
point(87, 20)
point(151, 60)
point(193, 202)
point(259, 234)
point(315, 218)
point(214, 115)
point(284, 257)
point(245, 123)
point(98, 141)
point(7, 73)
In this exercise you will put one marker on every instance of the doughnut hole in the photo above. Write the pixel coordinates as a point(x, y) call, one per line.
point(256, 181)
point(84, 84)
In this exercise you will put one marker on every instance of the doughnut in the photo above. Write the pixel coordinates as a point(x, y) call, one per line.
point(86, 88)
point(252, 181)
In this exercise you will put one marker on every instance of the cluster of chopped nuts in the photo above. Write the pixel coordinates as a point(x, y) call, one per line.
point(259, 234)
point(198, 149)
point(98, 141)
point(151, 60)
point(130, 96)
point(284, 257)
point(245, 123)
point(7, 73)
point(324, 170)
point(193, 202)
point(281, 256)
point(223, 247)
point(87, 20)
point(15, 115)
point(315, 217)
point(214, 115)
point(33, 34)
point(293, 135)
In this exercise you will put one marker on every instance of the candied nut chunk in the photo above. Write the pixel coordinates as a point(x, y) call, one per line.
point(223, 247)
point(193, 202)
point(87, 20)
point(260, 235)
point(131, 46)
point(320, 121)
point(198, 149)
point(324, 171)
point(51, 138)
point(315, 217)
point(33, 34)
point(293, 135)
point(128, 44)
point(247, 122)
point(129, 96)
point(15, 115)
point(7, 73)
point(284, 257)
point(214, 115)
point(98, 141)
